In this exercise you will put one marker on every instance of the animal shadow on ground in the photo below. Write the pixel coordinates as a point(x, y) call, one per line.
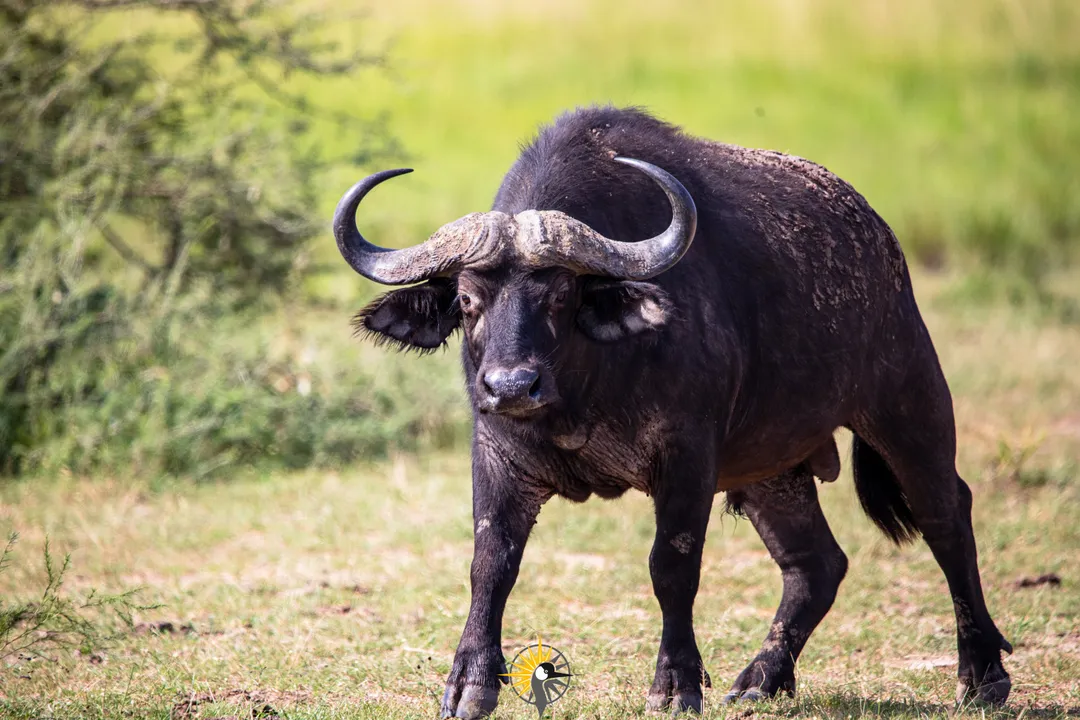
point(848, 706)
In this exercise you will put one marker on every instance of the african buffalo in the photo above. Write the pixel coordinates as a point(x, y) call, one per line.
point(768, 306)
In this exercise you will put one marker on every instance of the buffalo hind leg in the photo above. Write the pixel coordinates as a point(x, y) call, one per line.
point(683, 501)
point(787, 515)
point(905, 456)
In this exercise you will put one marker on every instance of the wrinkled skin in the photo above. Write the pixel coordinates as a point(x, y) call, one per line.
point(790, 316)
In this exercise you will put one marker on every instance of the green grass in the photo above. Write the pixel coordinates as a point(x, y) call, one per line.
point(342, 594)
point(958, 121)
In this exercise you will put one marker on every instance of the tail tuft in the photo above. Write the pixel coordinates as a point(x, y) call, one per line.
point(880, 493)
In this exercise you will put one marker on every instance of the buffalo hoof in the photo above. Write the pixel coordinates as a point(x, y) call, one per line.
point(744, 696)
point(472, 688)
point(763, 679)
point(678, 691)
point(475, 702)
point(683, 701)
point(993, 690)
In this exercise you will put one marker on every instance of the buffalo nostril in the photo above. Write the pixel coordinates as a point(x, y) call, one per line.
point(516, 384)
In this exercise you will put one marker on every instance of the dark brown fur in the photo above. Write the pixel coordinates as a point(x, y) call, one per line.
point(791, 315)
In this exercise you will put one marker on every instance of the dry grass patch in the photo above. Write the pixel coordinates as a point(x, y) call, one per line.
point(342, 595)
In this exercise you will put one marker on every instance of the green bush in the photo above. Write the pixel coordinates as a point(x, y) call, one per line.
point(150, 224)
point(100, 385)
point(53, 621)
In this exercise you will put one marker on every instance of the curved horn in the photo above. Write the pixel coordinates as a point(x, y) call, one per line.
point(646, 258)
point(446, 251)
point(478, 239)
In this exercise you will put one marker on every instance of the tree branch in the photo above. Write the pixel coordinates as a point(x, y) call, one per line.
point(161, 4)
point(126, 251)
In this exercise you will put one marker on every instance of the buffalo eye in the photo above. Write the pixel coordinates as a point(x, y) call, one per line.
point(558, 298)
point(465, 301)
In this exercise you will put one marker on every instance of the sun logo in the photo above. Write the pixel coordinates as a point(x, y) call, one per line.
point(539, 675)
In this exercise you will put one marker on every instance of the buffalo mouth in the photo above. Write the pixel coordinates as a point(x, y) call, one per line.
point(521, 410)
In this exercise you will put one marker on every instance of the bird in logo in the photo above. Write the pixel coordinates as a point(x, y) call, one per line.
point(544, 672)
point(534, 674)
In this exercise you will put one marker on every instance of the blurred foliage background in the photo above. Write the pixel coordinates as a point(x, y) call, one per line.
point(171, 300)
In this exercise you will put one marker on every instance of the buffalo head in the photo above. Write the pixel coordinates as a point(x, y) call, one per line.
point(529, 290)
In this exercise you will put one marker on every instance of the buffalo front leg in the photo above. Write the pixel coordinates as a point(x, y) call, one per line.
point(786, 514)
point(682, 501)
point(503, 516)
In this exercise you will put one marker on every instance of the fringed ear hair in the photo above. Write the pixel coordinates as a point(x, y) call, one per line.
point(614, 310)
point(417, 318)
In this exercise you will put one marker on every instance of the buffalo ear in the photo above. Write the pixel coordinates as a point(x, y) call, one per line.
point(415, 318)
point(614, 310)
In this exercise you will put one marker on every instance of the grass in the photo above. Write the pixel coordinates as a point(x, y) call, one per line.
point(342, 594)
point(958, 121)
